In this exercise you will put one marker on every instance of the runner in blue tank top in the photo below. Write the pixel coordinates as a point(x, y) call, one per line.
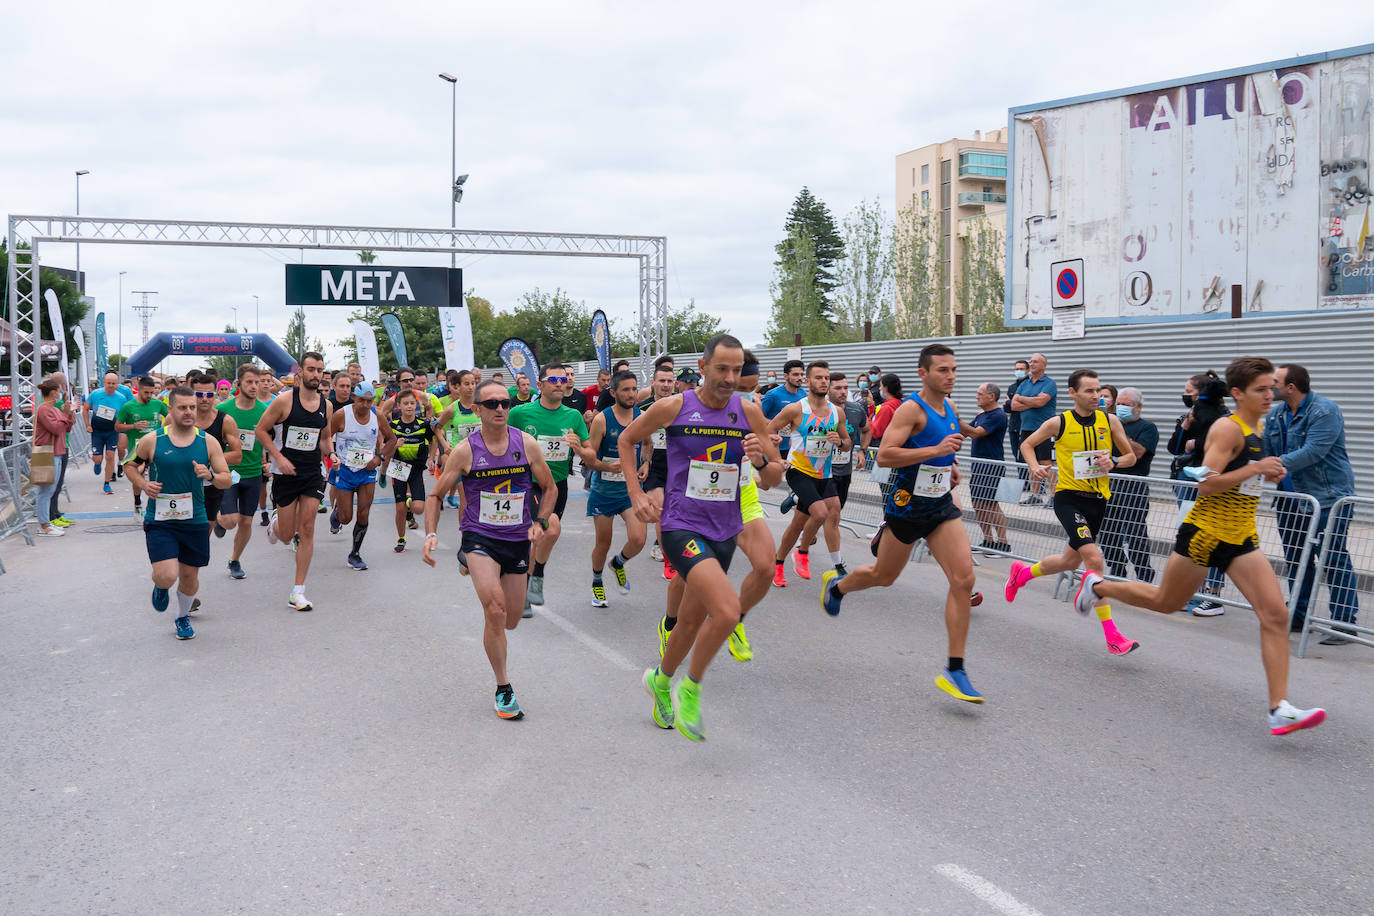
point(608, 497)
point(499, 468)
point(171, 467)
point(920, 445)
point(710, 433)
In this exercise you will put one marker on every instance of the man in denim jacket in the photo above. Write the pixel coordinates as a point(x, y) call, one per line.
point(1307, 432)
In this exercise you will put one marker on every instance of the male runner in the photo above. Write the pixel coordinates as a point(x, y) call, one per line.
point(407, 455)
point(221, 427)
point(178, 460)
point(921, 442)
point(459, 416)
point(356, 434)
point(789, 392)
point(405, 381)
point(660, 389)
point(711, 434)
point(818, 429)
point(1083, 439)
point(298, 482)
point(559, 431)
point(101, 407)
point(136, 418)
point(608, 497)
point(498, 467)
point(236, 509)
point(520, 392)
point(842, 465)
point(1219, 531)
point(340, 395)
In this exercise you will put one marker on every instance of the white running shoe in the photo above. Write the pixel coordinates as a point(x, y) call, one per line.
point(1288, 718)
point(299, 603)
point(272, 529)
point(656, 552)
point(1085, 600)
point(1209, 609)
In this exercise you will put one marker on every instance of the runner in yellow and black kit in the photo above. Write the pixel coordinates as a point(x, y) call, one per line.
point(1083, 439)
point(407, 458)
point(1220, 531)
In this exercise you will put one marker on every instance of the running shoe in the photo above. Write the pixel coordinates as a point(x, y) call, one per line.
point(159, 599)
point(1084, 601)
point(840, 568)
point(957, 685)
point(830, 599)
point(622, 581)
point(265, 520)
point(1288, 718)
point(63, 522)
point(740, 649)
point(108, 491)
point(452, 501)
point(195, 605)
point(400, 546)
point(95, 469)
point(599, 595)
point(506, 707)
point(663, 634)
point(1020, 575)
point(1208, 608)
point(299, 603)
point(656, 552)
point(219, 530)
point(877, 536)
point(975, 599)
point(50, 532)
point(801, 562)
point(1120, 645)
point(658, 686)
point(272, 529)
point(323, 507)
point(534, 592)
point(686, 696)
point(184, 630)
point(356, 562)
point(528, 612)
point(119, 470)
point(236, 570)
point(779, 578)
point(335, 526)
point(411, 523)
point(668, 571)
point(294, 543)
point(138, 505)
point(788, 502)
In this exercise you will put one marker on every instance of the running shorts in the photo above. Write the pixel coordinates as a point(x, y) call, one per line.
point(415, 483)
point(189, 545)
point(607, 506)
point(685, 550)
point(1207, 549)
point(842, 487)
point(749, 506)
point(1080, 514)
point(559, 504)
point(103, 441)
point(809, 489)
point(910, 528)
point(287, 488)
point(513, 557)
point(983, 483)
point(349, 480)
point(242, 498)
point(657, 478)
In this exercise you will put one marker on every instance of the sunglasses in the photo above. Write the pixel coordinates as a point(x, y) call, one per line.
point(496, 403)
point(556, 379)
point(411, 379)
point(205, 394)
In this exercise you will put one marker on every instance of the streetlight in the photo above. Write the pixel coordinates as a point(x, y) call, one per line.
point(257, 315)
point(456, 187)
point(80, 286)
point(121, 319)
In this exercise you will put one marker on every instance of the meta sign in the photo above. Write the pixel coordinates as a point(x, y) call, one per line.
point(359, 286)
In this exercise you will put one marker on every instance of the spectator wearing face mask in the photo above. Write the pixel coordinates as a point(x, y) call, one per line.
point(891, 389)
point(1123, 527)
point(1205, 397)
point(1019, 373)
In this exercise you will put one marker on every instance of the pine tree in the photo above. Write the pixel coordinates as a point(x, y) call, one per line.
point(811, 215)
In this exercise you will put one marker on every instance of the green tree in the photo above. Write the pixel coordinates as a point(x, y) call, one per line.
point(295, 341)
point(811, 216)
point(487, 331)
point(69, 301)
point(865, 274)
point(420, 324)
point(982, 254)
point(367, 255)
point(227, 366)
point(919, 273)
point(798, 305)
point(689, 329)
point(116, 361)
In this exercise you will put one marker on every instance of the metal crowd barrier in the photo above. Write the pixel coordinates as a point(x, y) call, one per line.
point(1343, 574)
point(1137, 534)
point(16, 496)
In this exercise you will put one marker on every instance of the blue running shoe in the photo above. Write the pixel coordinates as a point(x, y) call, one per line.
point(334, 526)
point(957, 685)
point(830, 599)
point(236, 570)
point(159, 599)
point(108, 491)
point(452, 501)
point(356, 562)
point(506, 707)
point(184, 630)
point(786, 505)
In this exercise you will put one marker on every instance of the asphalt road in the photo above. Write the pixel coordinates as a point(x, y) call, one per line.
point(348, 760)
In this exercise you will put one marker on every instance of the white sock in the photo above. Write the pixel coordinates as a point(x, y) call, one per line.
point(837, 557)
point(184, 602)
point(297, 590)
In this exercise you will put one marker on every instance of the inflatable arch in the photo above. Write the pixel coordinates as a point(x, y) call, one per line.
point(165, 344)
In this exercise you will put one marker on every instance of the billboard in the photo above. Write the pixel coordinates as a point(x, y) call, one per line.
point(1243, 192)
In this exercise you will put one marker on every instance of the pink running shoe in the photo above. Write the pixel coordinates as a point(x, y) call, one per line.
point(1120, 645)
point(1020, 575)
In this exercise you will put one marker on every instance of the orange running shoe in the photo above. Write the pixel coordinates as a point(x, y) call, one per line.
point(801, 562)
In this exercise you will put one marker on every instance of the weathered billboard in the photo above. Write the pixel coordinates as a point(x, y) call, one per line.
point(1247, 189)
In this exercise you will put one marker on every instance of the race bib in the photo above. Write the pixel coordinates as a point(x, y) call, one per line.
point(613, 476)
point(1085, 465)
point(173, 507)
point(555, 448)
point(818, 447)
point(357, 456)
point(105, 412)
point(504, 510)
point(397, 469)
point(841, 459)
point(300, 438)
point(712, 481)
point(660, 438)
point(931, 481)
point(247, 439)
point(1252, 486)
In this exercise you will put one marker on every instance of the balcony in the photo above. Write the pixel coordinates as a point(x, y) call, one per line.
point(983, 165)
point(980, 198)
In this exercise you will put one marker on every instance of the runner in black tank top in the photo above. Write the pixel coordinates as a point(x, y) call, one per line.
point(298, 486)
point(214, 423)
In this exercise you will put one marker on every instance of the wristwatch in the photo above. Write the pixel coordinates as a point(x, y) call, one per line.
point(760, 467)
point(542, 523)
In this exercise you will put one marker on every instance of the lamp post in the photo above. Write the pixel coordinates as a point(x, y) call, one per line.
point(121, 320)
point(80, 286)
point(455, 190)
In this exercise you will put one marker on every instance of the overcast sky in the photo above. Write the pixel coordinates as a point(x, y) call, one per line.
point(700, 122)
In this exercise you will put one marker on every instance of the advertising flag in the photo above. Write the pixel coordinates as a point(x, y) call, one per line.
point(392, 322)
point(601, 340)
point(519, 359)
point(81, 370)
point(102, 353)
point(456, 328)
point(365, 342)
point(59, 331)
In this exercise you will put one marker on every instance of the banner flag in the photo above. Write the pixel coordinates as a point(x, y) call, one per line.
point(102, 352)
point(81, 370)
point(519, 359)
point(59, 331)
point(365, 342)
point(455, 326)
point(601, 340)
point(392, 322)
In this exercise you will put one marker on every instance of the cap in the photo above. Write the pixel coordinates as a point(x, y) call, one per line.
point(364, 390)
point(688, 375)
point(749, 370)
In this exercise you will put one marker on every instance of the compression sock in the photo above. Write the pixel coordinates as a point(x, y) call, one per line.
point(359, 532)
point(538, 569)
point(1035, 572)
point(956, 664)
point(618, 561)
point(1104, 614)
point(184, 603)
point(596, 577)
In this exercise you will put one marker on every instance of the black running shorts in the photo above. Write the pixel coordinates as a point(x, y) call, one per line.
point(513, 557)
point(1080, 514)
point(808, 489)
point(1208, 550)
point(685, 550)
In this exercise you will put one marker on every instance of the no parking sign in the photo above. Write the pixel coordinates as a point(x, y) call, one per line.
point(1066, 283)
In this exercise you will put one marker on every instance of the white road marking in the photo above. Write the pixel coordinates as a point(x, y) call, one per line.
point(986, 891)
point(596, 645)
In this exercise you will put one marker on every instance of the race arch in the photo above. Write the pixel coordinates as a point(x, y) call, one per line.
point(165, 344)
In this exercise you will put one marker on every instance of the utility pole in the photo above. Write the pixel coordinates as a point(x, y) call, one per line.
point(145, 310)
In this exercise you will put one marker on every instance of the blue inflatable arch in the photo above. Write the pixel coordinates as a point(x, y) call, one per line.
point(246, 346)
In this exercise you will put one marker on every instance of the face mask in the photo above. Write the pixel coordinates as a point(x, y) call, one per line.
point(1101, 402)
point(1188, 400)
point(1020, 374)
point(747, 395)
point(1124, 412)
point(863, 383)
point(772, 379)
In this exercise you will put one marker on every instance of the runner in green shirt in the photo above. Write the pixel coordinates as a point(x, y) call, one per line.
point(561, 431)
point(136, 419)
point(241, 499)
point(457, 418)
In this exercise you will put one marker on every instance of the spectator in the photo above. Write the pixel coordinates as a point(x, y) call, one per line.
point(50, 427)
point(988, 430)
point(498, 377)
point(1035, 400)
point(1124, 528)
point(890, 387)
point(1019, 373)
point(1307, 433)
point(1205, 396)
point(862, 395)
point(520, 391)
point(1107, 400)
point(60, 458)
point(572, 395)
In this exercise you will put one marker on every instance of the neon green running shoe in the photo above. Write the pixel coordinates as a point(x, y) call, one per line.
point(662, 636)
point(686, 695)
point(622, 581)
point(598, 595)
point(657, 685)
point(739, 644)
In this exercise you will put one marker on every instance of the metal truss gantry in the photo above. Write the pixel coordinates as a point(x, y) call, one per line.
point(649, 250)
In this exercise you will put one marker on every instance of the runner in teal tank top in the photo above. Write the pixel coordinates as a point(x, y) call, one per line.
point(171, 467)
point(608, 497)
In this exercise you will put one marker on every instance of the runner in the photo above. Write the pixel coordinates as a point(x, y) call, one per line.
point(135, 419)
point(407, 455)
point(355, 432)
point(223, 429)
point(458, 417)
point(560, 431)
point(268, 388)
point(608, 497)
point(520, 392)
point(789, 392)
point(711, 433)
point(100, 409)
point(340, 396)
point(842, 465)
point(1083, 439)
point(1219, 531)
point(920, 443)
point(498, 467)
point(171, 466)
point(297, 483)
point(236, 509)
point(817, 431)
point(654, 481)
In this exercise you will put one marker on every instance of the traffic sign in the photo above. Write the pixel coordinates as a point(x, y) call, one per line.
point(1066, 283)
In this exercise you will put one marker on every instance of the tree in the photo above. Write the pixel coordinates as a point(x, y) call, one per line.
point(919, 273)
point(688, 329)
point(827, 247)
point(116, 360)
point(367, 255)
point(865, 274)
point(228, 366)
point(69, 301)
point(295, 342)
point(798, 304)
point(982, 253)
point(424, 343)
